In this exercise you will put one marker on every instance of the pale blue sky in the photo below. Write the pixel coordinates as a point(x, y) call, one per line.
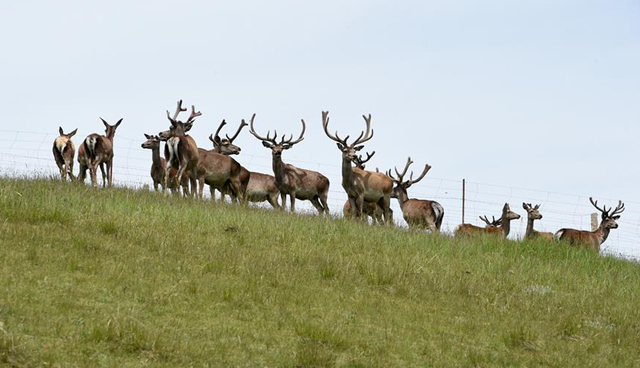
point(537, 94)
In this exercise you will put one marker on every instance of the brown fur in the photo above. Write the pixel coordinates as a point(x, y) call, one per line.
point(97, 150)
point(501, 230)
point(63, 153)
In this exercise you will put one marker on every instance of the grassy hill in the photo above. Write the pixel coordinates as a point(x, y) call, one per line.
point(123, 278)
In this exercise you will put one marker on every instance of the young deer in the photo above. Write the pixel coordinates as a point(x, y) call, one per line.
point(63, 153)
point(159, 164)
point(501, 227)
point(290, 180)
point(418, 213)
point(181, 151)
point(361, 186)
point(260, 187)
point(593, 239)
point(97, 150)
point(372, 210)
point(533, 214)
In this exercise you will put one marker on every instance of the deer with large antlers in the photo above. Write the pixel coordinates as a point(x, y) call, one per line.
point(97, 150)
point(361, 185)
point(593, 239)
point(181, 151)
point(533, 213)
point(63, 153)
point(159, 164)
point(260, 187)
point(290, 180)
point(418, 213)
point(373, 210)
point(500, 227)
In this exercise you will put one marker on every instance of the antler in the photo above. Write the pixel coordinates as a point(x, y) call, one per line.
point(359, 161)
point(367, 135)
point(179, 109)
point(424, 172)
point(213, 137)
point(494, 223)
point(484, 218)
point(404, 172)
point(325, 125)
point(255, 134)
point(595, 204)
point(289, 141)
point(363, 137)
point(242, 125)
point(193, 115)
point(619, 209)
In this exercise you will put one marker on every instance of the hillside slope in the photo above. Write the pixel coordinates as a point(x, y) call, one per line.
point(127, 278)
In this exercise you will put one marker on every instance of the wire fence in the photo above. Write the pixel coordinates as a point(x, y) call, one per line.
point(24, 153)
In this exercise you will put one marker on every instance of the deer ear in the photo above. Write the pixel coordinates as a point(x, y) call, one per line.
point(118, 123)
point(148, 136)
point(340, 146)
point(60, 130)
point(616, 217)
point(358, 148)
point(506, 207)
point(73, 133)
point(537, 206)
point(188, 127)
point(267, 144)
point(286, 146)
point(524, 205)
point(104, 122)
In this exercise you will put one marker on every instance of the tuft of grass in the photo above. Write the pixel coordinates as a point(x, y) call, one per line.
point(129, 278)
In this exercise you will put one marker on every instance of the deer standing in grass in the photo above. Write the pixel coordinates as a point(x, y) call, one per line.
point(97, 150)
point(260, 187)
point(593, 239)
point(290, 180)
point(501, 227)
point(533, 214)
point(159, 165)
point(225, 146)
point(181, 151)
point(372, 210)
point(361, 185)
point(418, 213)
point(64, 152)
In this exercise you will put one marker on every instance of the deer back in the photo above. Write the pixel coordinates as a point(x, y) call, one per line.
point(373, 185)
point(217, 168)
point(306, 183)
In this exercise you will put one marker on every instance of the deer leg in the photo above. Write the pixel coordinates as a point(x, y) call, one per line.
point(93, 171)
point(385, 203)
point(273, 200)
point(104, 176)
point(201, 187)
point(316, 203)
point(70, 166)
point(83, 172)
point(212, 190)
point(292, 197)
point(194, 183)
point(283, 198)
point(359, 204)
point(110, 172)
point(323, 199)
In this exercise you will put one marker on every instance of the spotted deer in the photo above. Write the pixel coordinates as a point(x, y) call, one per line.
point(64, 152)
point(295, 182)
point(361, 185)
point(97, 150)
point(534, 214)
point(159, 164)
point(593, 239)
point(181, 151)
point(418, 213)
point(501, 227)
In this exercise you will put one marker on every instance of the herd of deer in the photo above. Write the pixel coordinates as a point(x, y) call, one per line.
point(187, 167)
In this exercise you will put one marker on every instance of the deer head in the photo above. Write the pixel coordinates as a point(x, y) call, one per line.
point(507, 214)
point(275, 146)
point(153, 141)
point(179, 128)
point(110, 130)
point(401, 185)
point(225, 146)
point(609, 218)
point(349, 151)
point(532, 212)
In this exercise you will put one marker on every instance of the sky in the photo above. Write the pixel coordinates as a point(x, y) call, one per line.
point(542, 95)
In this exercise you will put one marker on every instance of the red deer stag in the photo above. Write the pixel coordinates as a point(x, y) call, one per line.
point(159, 164)
point(97, 150)
point(225, 146)
point(501, 227)
point(261, 187)
point(181, 151)
point(290, 180)
point(533, 214)
point(63, 153)
point(372, 210)
point(593, 239)
point(361, 185)
point(418, 213)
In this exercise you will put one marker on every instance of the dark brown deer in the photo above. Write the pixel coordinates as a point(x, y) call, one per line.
point(373, 210)
point(159, 165)
point(64, 152)
point(181, 151)
point(290, 180)
point(533, 214)
point(361, 185)
point(418, 213)
point(593, 239)
point(97, 150)
point(501, 227)
point(260, 187)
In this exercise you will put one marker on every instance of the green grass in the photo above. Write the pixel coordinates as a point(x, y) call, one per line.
point(123, 278)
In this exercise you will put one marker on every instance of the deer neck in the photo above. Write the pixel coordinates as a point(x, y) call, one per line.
point(529, 232)
point(403, 197)
point(602, 234)
point(506, 226)
point(347, 172)
point(278, 168)
point(155, 157)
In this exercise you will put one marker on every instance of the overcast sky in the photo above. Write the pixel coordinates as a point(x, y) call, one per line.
point(537, 94)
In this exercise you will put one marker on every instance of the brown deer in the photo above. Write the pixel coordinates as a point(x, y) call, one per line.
point(593, 239)
point(225, 146)
point(181, 151)
point(361, 185)
point(260, 187)
point(501, 227)
point(290, 180)
point(97, 150)
point(63, 153)
point(533, 214)
point(159, 164)
point(418, 213)
point(373, 210)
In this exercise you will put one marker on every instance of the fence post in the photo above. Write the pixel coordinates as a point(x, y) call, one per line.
point(594, 222)
point(464, 190)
